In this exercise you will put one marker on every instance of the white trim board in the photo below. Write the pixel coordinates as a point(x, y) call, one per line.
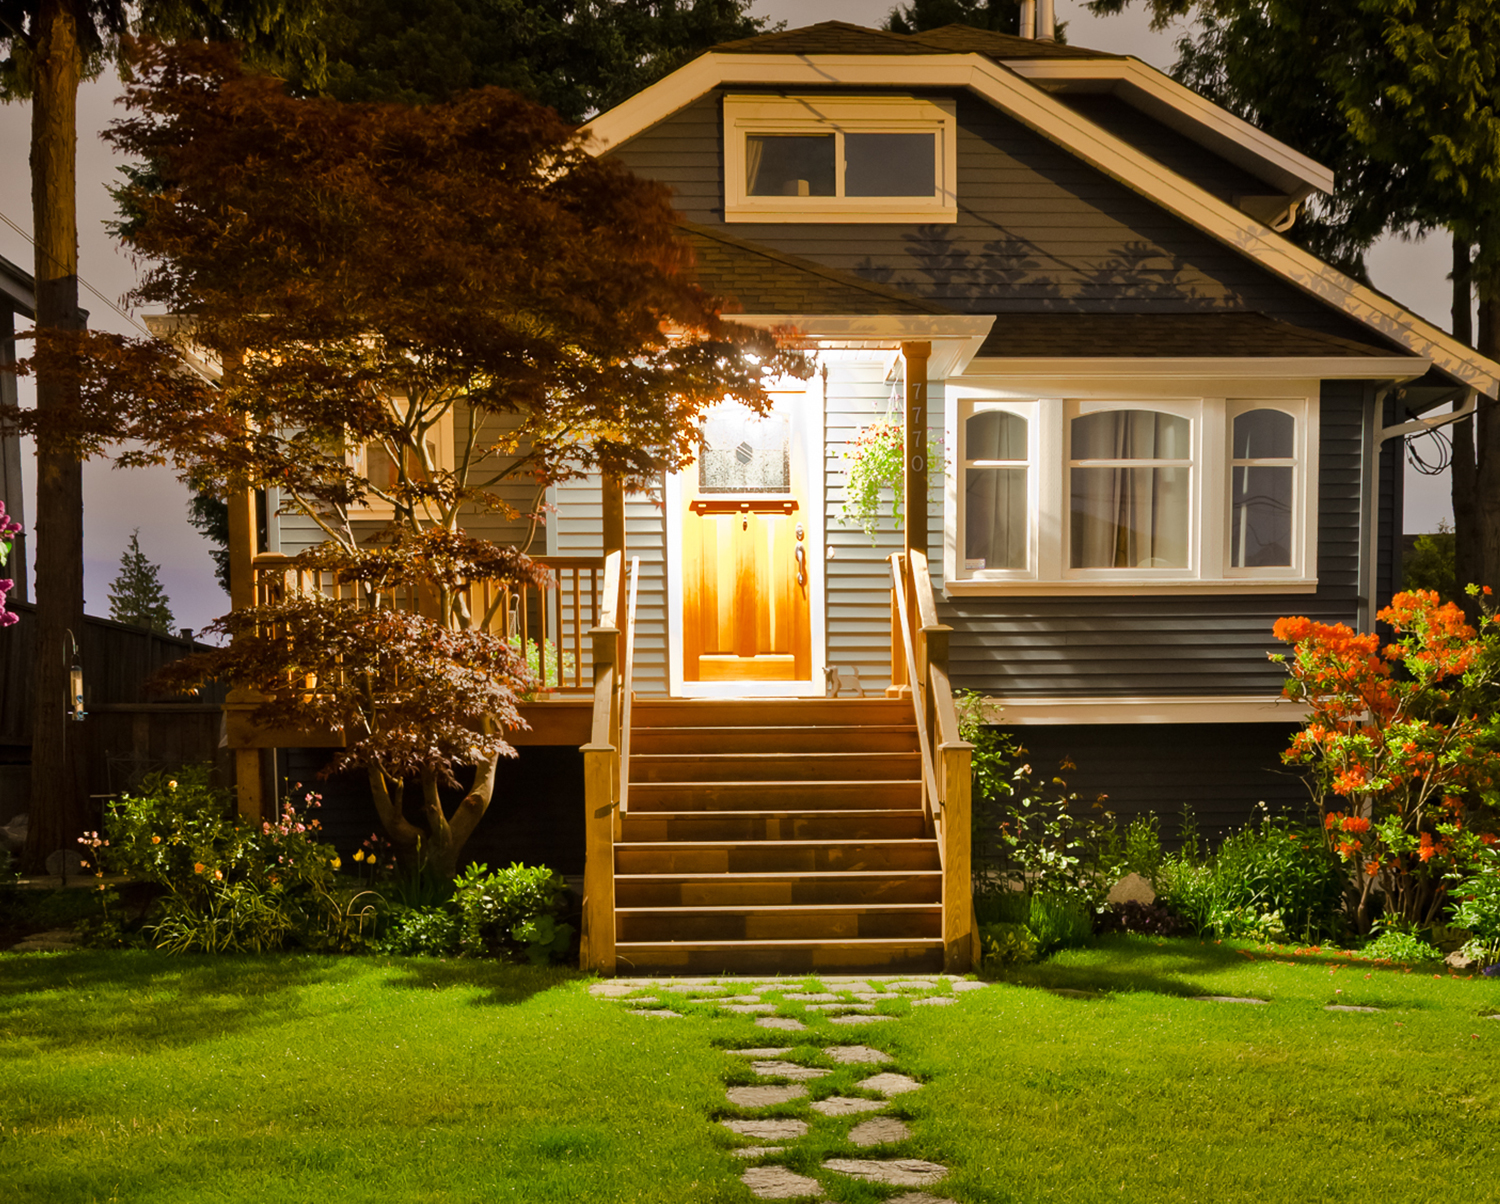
point(1052, 119)
point(1208, 708)
point(956, 338)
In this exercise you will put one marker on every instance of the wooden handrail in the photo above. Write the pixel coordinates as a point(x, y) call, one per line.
point(947, 760)
point(627, 686)
point(932, 801)
point(602, 784)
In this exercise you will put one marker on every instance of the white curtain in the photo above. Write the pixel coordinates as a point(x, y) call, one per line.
point(1128, 515)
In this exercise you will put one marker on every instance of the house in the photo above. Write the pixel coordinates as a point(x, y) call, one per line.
point(1162, 426)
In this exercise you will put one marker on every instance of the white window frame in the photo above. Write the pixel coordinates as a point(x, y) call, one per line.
point(814, 114)
point(378, 508)
point(1211, 405)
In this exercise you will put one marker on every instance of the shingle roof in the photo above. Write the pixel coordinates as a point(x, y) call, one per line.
point(759, 280)
point(839, 37)
point(1147, 336)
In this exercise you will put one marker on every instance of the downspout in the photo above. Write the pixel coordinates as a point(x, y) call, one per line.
point(1376, 437)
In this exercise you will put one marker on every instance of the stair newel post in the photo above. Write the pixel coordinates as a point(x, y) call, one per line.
point(898, 643)
point(958, 888)
point(601, 784)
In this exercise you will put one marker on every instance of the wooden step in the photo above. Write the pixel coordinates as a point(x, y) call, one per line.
point(773, 767)
point(774, 825)
point(728, 857)
point(772, 889)
point(774, 796)
point(855, 956)
point(830, 737)
point(768, 712)
point(878, 921)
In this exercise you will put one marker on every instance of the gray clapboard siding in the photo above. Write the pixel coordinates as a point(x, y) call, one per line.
point(1037, 229)
point(1127, 646)
point(859, 575)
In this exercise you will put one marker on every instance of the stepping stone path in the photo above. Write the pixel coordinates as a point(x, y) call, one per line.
point(812, 1004)
point(1226, 999)
point(1348, 1007)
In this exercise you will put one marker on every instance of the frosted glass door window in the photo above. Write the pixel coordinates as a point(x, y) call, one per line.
point(1262, 477)
point(745, 453)
point(1131, 490)
point(996, 520)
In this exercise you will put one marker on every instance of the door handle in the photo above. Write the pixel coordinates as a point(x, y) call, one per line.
point(801, 565)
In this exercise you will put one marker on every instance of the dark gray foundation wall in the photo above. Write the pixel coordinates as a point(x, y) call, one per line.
point(1220, 770)
point(536, 816)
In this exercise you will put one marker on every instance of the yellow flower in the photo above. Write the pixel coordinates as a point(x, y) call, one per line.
point(336, 863)
point(359, 855)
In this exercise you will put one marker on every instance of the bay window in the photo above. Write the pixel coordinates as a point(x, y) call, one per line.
point(1143, 488)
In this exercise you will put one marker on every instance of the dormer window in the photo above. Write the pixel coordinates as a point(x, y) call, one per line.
point(839, 159)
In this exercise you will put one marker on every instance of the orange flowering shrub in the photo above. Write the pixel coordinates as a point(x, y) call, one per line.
point(1401, 745)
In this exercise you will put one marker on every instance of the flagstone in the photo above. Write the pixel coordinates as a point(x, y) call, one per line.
point(881, 1130)
point(858, 1019)
point(765, 1051)
point(850, 1054)
point(899, 1172)
point(768, 1130)
point(784, 1023)
point(765, 1097)
point(843, 1105)
point(788, 1070)
point(778, 1183)
point(889, 1084)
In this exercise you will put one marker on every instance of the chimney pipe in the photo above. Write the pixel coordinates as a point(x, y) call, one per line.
point(1046, 22)
point(1028, 19)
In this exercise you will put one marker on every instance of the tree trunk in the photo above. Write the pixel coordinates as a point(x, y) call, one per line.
point(1461, 482)
point(58, 804)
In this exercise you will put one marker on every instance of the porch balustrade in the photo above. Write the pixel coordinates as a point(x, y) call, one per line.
point(552, 619)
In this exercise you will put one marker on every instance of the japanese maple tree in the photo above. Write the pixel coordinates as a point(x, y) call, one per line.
point(361, 280)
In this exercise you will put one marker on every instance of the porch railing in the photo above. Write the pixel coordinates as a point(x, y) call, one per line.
point(549, 621)
point(920, 658)
point(606, 764)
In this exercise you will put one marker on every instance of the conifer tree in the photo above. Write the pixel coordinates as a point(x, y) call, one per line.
point(136, 596)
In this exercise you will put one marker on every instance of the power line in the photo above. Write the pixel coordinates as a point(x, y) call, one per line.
point(19, 230)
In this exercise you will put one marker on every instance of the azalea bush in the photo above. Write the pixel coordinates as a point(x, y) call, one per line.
point(1401, 748)
point(8, 530)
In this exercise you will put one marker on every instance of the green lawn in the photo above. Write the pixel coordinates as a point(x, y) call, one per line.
point(135, 1077)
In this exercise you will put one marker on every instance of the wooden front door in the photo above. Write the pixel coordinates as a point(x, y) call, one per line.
point(746, 615)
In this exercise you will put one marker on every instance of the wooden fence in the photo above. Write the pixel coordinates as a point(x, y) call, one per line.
point(128, 731)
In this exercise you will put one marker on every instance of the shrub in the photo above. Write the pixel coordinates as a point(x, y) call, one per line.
point(420, 932)
point(1186, 887)
point(1142, 853)
point(228, 885)
point(512, 913)
point(1397, 944)
point(1006, 945)
point(1399, 764)
point(1276, 879)
point(1060, 919)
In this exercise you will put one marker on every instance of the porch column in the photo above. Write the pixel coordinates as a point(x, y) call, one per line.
point(915, 482)
point(247, 761)
point(613, 491)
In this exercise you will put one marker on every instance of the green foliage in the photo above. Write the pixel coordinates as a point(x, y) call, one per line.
point(544, 665)
point(875, 468)
point(580, 57)
point(1006, 945)
point(420, 932)
point(228, 885)
point(1398, 944)
point(1269, 881)
point(1060, 918)
point(209, 516)
point(136, 595)
point(1476, 891)
point(1432, 564)
point(1142, 853)
point(512, 913)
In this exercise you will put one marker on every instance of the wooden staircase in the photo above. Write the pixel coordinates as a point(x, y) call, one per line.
point(776, 836)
